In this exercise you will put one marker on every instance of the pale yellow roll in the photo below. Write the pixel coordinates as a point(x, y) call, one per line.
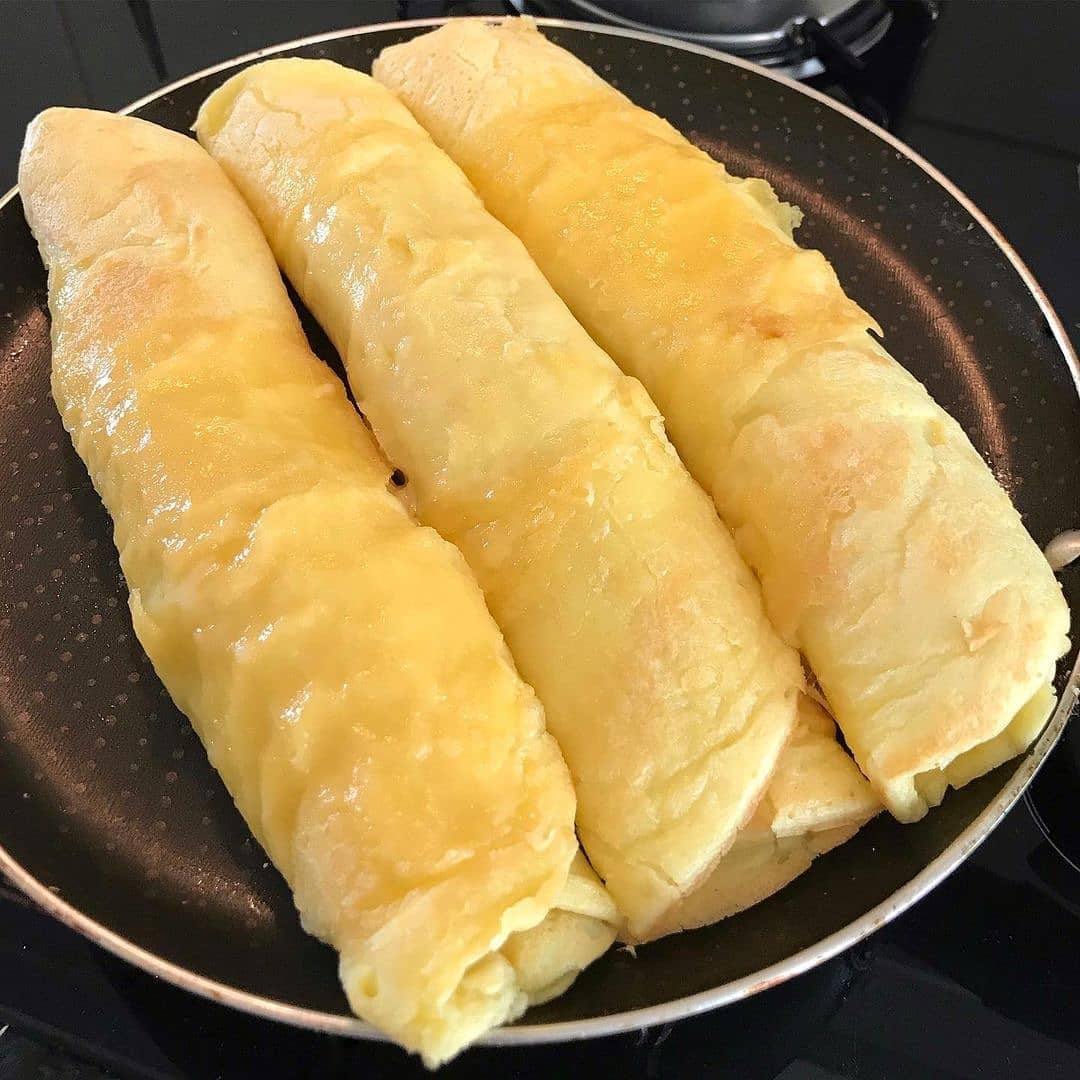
point(887, 551)
point(336, 659)
point(620, 593)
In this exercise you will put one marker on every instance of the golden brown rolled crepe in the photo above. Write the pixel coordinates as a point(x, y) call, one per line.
point(887, 551)
point(620, 592)
point(336, 659)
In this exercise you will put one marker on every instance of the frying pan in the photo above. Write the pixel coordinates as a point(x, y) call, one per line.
point(112, 819)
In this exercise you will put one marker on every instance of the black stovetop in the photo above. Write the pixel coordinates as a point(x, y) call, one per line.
point(982, 978)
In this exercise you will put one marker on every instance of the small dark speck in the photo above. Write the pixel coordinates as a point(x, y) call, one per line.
point(398, 478)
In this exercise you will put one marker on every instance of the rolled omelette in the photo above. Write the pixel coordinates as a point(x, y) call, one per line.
point(336, 659)
point(888, 553)
point(619, 591)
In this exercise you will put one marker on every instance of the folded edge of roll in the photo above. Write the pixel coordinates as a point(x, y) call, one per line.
point(816, 801)
point(580, 927)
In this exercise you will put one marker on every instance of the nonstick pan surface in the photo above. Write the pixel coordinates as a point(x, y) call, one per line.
point(111, 817)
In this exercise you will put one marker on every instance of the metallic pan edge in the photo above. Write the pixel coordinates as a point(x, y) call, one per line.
point(802, 961)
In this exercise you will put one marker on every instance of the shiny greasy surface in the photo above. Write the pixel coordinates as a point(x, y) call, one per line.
point(887, 551)
point(384, 752)
point(619, 591)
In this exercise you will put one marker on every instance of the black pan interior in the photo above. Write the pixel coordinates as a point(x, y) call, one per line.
point(105, 793)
